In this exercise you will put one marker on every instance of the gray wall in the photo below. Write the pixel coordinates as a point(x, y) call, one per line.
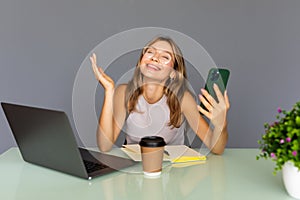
point(43, 43)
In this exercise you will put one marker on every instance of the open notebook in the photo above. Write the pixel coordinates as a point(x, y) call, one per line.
point(173, 153)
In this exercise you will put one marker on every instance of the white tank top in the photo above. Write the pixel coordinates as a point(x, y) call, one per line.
point(150, 120)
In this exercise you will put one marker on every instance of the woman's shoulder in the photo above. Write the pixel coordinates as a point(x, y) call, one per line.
point(188, 99)
point(188, 96)
point(120, 91)
point(121, 88)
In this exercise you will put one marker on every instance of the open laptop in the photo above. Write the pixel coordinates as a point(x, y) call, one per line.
point(45, 138)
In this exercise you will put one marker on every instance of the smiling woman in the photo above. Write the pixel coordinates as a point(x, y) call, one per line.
point(157, 61)
point(156, 101)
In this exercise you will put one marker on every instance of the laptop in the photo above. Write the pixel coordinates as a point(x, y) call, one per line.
point(45, 138)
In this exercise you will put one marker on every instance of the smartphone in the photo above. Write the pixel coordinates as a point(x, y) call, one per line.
point(217, 76)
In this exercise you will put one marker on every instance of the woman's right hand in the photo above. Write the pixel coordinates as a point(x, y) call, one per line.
point(107, 83)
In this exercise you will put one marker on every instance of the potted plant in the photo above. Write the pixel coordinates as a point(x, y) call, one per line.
point(281, 143)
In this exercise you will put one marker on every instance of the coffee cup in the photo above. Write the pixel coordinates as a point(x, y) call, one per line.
point(152, 150)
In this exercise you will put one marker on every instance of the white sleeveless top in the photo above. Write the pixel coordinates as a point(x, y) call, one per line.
point(150, 120)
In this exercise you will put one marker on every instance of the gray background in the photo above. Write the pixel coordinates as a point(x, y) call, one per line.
point(43, 43)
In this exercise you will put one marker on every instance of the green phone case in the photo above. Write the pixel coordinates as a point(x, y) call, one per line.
point(218, 76)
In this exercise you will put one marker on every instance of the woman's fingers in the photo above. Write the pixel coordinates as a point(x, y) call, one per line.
point(93, 60)
point(204, 112)
point(226, 100)
point(208, 101)
point(218, 92)
point(214, 108)
point(94, 57)
point(97, 70)
point(223, 99)
point(103, 78)
point(205, 102)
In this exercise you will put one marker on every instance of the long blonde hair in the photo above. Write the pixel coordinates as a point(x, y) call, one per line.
point(174, 87)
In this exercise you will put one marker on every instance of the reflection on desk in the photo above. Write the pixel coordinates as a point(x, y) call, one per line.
point(235, 175)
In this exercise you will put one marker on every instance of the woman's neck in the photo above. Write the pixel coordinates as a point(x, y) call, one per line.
point(153, 92)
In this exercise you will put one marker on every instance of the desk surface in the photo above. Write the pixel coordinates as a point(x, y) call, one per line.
point(235, 175)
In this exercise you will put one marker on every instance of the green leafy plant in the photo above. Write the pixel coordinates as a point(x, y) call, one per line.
point(281, 141)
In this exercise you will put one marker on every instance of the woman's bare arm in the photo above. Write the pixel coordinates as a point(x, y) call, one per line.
point(214, 138)
point(113, 109)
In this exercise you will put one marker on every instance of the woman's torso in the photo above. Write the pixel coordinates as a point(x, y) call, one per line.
point(152, 119)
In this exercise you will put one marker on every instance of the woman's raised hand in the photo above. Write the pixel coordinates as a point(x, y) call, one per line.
point(216, 111)
point(107, 83)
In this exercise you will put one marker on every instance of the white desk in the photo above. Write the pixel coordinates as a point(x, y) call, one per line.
point(235, 175)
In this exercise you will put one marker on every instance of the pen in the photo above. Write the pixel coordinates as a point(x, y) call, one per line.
point(166, 152)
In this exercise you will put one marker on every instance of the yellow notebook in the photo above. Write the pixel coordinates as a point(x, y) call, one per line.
point(182, 153)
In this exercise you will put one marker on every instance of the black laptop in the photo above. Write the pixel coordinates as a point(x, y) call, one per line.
point(45, 138)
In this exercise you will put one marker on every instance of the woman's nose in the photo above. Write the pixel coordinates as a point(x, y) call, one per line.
point(155, 57)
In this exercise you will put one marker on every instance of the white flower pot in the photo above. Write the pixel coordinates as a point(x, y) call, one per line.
point(291, 179)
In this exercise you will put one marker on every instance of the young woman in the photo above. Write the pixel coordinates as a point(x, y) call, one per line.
point(156, 101)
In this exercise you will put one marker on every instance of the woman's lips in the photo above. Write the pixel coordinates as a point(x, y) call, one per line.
point(153, 67)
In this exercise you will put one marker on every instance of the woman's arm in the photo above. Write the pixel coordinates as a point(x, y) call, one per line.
point(214, 138)
point(112, 118)
point(113, 109)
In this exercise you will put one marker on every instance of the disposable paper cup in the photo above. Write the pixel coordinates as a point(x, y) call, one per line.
point(152, 150)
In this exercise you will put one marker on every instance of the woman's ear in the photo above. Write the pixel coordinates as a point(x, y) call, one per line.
point(173, 75)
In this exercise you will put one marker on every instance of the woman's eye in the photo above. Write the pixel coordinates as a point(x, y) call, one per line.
point(149, 51)
point(166, 57)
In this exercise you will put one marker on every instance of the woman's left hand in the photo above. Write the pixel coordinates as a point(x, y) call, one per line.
point(216, 111)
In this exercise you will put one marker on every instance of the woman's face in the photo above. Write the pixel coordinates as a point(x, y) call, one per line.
point(157, 61)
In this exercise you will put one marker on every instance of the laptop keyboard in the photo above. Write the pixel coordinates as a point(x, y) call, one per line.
point(92, 166)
